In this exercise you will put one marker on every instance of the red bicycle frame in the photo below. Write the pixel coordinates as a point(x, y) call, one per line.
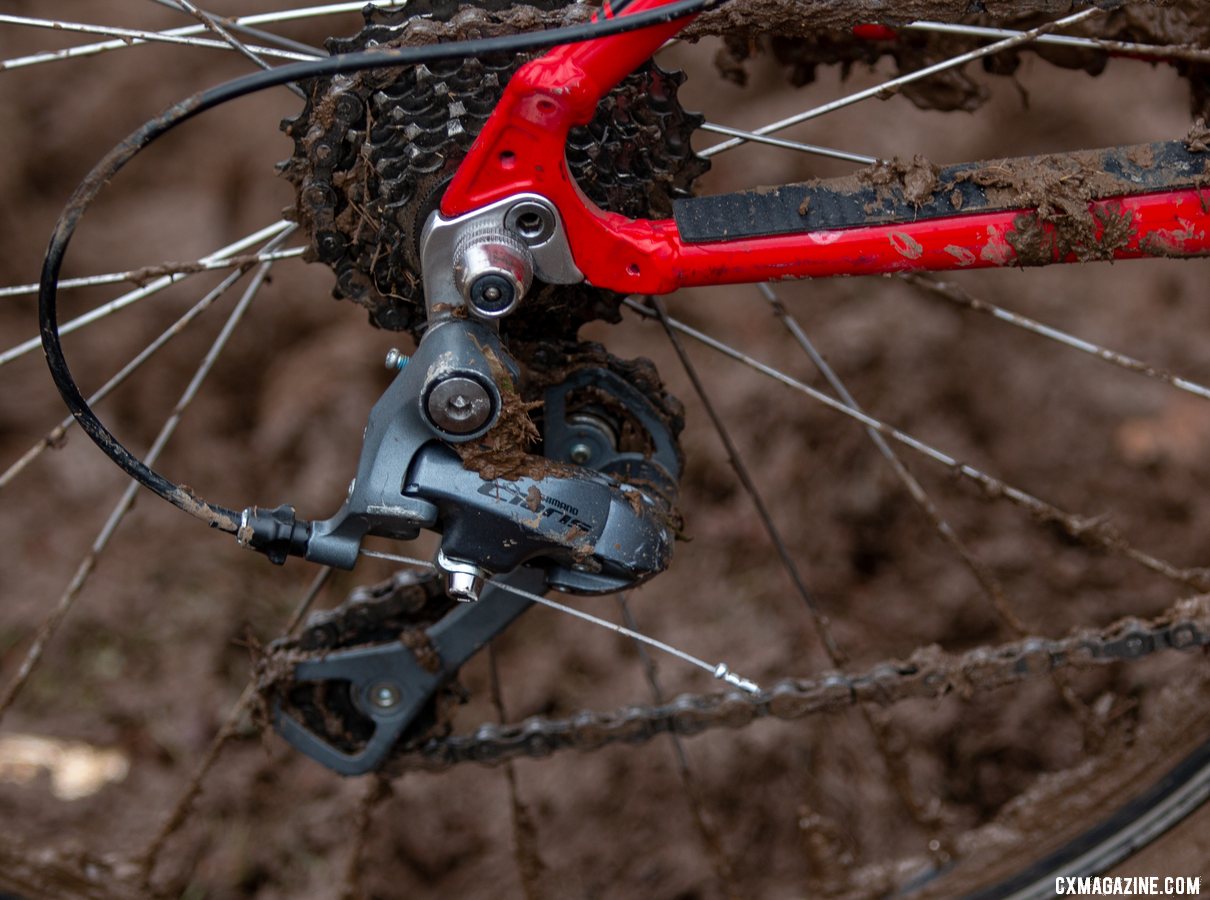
point(521, 149)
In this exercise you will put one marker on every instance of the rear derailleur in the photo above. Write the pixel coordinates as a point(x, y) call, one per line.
point(445, 449)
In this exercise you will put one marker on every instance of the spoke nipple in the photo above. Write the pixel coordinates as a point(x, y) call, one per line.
point(723, 673)
point(395, 360)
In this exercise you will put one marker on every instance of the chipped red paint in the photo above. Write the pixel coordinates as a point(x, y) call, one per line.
point(875, 33)
point(521, 149)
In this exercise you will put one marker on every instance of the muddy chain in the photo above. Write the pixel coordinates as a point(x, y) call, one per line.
point(929, 673)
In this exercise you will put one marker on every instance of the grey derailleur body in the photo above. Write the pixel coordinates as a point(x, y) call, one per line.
point(590, 515)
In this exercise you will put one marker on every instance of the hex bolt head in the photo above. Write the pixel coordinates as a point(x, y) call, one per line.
point(459, 405)
point(463, 586)
point(385, 695)
point(580, 453)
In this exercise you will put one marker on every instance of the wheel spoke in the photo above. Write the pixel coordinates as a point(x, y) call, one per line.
point(261, 34)
point(179, 814)
point(1128, 48)
point(812, 149)
point(1092, 530)
point(986, 579)
point(230, 39)
point(141, 276)
point(286, 15)
point(53, 437)
point(127, 37)
point(947, 290)
point(880, 728)
point(222, 258)
point(888, 88)
point(52, 622)
point(526, 855)
point(724, 870)
point(823, 627)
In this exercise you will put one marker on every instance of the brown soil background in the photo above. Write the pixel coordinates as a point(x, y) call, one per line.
point(160, 644)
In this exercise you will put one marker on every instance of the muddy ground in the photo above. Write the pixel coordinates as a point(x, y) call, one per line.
point(161, 642)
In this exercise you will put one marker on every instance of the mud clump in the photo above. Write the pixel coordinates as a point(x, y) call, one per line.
point(918, 179)
point(1198, 138)
point(503, 453)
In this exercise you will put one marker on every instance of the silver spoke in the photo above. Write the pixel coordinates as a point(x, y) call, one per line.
point(720, 670)
point(51, 624)
point(983, 576)
point(128, 37)
point(526, 854)
point(812, 149)
point(189, 30)
point(55, 435)
point(879, 726)
point(724, 870)
point(949, 291)
point(1093, 530)
point(261, 34)
point(888, 88)
point(231, 40)
point(147, 290)
point(823, 627)
point(180, 810)
point(1156, 51)
point(138, 276)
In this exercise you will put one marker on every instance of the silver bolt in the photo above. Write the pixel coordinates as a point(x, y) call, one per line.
point(463, 580)
point(395, 360)
point(459, 405)
point(385, 695)
point(463, 586)
point(580, 453)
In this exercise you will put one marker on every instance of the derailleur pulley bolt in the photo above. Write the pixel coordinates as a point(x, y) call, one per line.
point(395, 360)
point(580, 453)
point(459, 405)
point(385, 695)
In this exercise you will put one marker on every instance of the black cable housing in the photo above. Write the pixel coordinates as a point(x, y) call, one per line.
point(112, 163)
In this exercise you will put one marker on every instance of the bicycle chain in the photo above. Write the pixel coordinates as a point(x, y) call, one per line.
point(929, 673)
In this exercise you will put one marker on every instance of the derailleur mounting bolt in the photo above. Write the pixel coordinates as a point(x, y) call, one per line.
point(459, 405)
point(395, 360)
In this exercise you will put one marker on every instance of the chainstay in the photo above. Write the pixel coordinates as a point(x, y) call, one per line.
point(929, 673)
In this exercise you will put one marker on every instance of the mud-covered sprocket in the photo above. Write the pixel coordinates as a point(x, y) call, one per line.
point(373, 153)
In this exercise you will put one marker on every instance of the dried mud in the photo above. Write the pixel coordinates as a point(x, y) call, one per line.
point(158, 648)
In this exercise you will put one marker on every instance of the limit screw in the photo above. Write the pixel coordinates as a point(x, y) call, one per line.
point(395, 360)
